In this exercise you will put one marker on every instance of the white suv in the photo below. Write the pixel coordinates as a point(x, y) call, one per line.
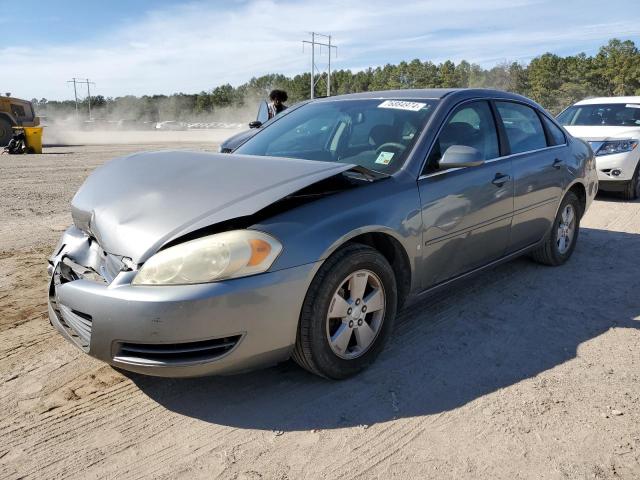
point(611, 125)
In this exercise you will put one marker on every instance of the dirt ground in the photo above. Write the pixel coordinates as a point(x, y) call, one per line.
point(525, 372)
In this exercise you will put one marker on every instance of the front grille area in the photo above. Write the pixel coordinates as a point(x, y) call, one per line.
point(176, 353)
point(78, 325)
point(80, 257)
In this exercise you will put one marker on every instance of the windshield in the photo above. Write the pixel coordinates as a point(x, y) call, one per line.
point(612, 114)
point(376, 134)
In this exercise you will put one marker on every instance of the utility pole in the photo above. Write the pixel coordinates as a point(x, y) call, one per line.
point(313, 61)
point(314, 68)
point(89, 96)
point(329, 69)
point(75, 92)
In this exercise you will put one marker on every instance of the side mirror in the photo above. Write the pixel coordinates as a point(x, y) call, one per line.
point(457, 156)
point(255, 124)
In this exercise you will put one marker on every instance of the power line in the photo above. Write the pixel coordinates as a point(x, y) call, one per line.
point(75, 92)
point(314, 68)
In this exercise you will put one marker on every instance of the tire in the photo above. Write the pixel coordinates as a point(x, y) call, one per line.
point(6, 132)
point(313, 349)
point(632, 189)
point(553, 252)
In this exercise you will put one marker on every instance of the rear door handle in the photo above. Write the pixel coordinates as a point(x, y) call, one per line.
point(500, 179)
point(557, 163)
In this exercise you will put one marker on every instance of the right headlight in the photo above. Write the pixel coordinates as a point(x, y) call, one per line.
point(611, 147)
point(233, 254)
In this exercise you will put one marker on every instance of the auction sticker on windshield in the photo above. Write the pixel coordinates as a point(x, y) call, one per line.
point(402, 105)
point(384, 158)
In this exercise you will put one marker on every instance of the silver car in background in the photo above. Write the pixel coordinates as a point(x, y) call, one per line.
point(307, 238)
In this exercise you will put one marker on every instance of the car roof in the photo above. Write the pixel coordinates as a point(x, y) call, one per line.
point(426, 94)
point(429, 94)
point(601, 100)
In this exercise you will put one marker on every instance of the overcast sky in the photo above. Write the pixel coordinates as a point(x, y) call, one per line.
point(163, 46)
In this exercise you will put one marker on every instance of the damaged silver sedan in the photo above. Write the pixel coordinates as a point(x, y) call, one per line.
point(307, 238)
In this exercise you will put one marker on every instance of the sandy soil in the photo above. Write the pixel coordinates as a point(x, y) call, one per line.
point(526, 372)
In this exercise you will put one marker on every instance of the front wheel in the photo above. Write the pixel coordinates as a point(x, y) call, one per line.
point(632, 189)
point(348, 313)
point(561, 241)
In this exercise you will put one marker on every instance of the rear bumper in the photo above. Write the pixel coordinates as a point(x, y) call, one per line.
point(244, 323)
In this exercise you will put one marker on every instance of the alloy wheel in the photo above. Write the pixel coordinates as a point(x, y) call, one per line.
point(355, 314)
point(566, 229)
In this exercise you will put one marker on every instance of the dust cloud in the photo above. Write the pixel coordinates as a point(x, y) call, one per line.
point(121, 126)
point(54, 136)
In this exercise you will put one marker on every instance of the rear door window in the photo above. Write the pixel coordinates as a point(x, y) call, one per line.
point(523, 127)
point(557, 136)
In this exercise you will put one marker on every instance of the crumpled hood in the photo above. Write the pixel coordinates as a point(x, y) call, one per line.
point(598, 133)
point(135, 204)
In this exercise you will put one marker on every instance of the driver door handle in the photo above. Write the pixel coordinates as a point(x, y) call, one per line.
point(500, 179)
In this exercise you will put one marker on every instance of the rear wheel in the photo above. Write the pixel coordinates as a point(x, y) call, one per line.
point(562, 239)
point(632, 189)
point(6, 132)
point(348, 313)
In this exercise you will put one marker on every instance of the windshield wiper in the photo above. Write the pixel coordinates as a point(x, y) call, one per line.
point(364, 173)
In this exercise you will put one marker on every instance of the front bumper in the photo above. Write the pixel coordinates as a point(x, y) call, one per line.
point(613, 185)
point(186, 330)
point(624, 163)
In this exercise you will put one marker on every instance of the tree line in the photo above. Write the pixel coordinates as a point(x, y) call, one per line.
point(552, 80)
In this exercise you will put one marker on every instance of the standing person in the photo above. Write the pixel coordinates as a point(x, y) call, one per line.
point(277, 99)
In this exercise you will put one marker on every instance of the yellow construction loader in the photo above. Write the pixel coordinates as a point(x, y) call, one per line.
point(18, 117)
